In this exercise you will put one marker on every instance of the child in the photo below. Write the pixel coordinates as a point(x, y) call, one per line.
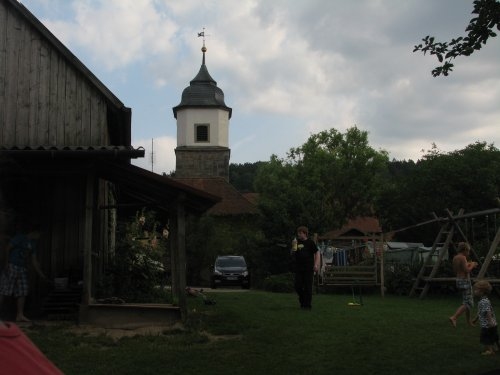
point(487, 319)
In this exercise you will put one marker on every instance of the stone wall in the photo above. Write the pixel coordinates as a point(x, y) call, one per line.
point(202, 162)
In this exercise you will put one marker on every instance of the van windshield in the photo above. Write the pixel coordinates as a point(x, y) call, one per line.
point(231, 262)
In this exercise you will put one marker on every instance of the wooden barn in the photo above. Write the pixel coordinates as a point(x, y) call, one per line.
point(65, 153)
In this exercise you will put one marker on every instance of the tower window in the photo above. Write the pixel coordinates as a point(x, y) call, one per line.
point(202, 132)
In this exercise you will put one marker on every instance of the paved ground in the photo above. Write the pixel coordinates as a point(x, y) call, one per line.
point(228, 289)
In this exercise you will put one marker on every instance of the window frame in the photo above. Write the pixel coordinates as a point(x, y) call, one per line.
point(198, 127)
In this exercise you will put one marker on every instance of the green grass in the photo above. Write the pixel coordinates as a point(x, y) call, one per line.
point(265, 333)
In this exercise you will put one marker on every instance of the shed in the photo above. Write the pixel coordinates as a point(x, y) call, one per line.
point(65, 152)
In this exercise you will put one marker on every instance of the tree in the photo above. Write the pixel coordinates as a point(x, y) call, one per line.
point(241, 176)
point(467, 178)
point(323, 183)
point(480, 29)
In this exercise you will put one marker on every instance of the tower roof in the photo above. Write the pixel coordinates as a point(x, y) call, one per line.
point(202, 92)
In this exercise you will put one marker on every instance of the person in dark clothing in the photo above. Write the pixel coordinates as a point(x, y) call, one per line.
point(306, 262)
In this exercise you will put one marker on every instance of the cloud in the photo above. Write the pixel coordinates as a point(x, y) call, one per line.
point(290, 68)
point(118, 33)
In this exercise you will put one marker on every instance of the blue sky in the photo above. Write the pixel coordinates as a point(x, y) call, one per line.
point(288, 69)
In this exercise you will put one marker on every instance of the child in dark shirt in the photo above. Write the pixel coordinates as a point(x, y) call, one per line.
point(486, 317)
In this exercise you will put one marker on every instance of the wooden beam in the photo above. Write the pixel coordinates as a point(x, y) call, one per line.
point(457, 217)
point(129, 205)
point(87, 240)
point(174, 258)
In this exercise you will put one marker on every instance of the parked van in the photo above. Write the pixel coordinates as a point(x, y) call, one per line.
point(230, 270)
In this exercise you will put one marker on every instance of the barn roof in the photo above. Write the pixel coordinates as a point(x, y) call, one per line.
point(154, 189)
point(134, 185)
point(71, 152)
point(110, 162)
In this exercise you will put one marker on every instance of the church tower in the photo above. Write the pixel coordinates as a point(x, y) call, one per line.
point(202, 128)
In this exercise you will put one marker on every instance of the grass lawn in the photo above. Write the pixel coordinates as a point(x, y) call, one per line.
point(266, 333)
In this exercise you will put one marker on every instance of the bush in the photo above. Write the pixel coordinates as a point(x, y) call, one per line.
point(137, 272)
point(399, 278)
point(282, 283)
point(134, 276)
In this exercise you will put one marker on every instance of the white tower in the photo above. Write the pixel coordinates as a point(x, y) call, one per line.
point(202, 129)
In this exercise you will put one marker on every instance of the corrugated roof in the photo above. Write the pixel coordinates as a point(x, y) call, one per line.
point(72, 151)
point(151, 187)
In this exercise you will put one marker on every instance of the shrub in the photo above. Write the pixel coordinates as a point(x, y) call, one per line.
point(137, 273)
point(399, 278)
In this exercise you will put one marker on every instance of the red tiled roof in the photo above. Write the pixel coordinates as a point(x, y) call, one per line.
point(364, 225)
point(252, 197)
point(232, 201)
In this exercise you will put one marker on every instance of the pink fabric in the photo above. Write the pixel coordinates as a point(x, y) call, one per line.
point(18, 354)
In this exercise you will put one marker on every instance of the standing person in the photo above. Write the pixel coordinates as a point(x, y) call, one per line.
point(463, 268)
point(306, 260)
point(14, 281)
point(486, 317)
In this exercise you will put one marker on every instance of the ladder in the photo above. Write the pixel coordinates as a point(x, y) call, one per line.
point(429, 269)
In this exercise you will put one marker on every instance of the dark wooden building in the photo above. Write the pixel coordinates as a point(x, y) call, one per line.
point(65, 152)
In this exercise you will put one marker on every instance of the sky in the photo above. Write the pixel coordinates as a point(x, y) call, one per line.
point(288, 69)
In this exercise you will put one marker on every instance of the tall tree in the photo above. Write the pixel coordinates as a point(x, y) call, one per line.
point(467, 178)
point(324, 182)
point(241, 176)
point(479, 30)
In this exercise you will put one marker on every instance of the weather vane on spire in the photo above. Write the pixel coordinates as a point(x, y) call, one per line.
point(202, 34)
point(203, 49)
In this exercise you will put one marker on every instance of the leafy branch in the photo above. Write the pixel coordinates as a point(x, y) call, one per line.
point(479, 30)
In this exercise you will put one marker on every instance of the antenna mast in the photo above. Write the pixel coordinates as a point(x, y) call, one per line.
point(152, 155)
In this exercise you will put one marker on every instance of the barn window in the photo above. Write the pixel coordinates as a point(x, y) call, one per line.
point(202, 132)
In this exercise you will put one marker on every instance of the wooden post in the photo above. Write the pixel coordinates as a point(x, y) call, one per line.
point(172, 238)
point(382, 279)
point(87, 240)
point(174, 259)
point(317, 275)
point(489, 256)
point(181, 248)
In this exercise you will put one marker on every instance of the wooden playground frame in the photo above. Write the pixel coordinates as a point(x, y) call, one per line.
point(450, 231)
point(450, 227)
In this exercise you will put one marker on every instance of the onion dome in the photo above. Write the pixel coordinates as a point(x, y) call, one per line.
point(202, 92)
